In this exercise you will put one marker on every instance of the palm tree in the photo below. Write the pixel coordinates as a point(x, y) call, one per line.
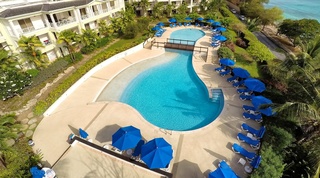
point(89, 37)
point(104, 29)
point(157, 11)
point(71, 40)
point(144, 4)
point(8, 61)
point(31, 49)
point(182, 9)
point(169, 8)
point(203, 6)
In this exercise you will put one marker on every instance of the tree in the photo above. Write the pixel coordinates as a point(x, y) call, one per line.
point(89, 37)
point(238, 27)
point(305, 29)
point(311, 49)
point(104, 29)
point(131, 30)
point(259, 52)
point(157, 11)
point(252, 8)
point(71, 40)
point(168, 9)
point(144, 5)
point(8, 61)
point(203, 6)
point(269, 16)
point(32, 54)
point(182, 9)
point(214, 5)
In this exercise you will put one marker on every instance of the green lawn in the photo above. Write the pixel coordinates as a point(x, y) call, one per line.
point(247, 62)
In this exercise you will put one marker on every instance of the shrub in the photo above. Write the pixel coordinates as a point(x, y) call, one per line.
point(243, 57)
point(33, 72)
point(102, 42)
point(131, 31)
point(279, 138)
point(270, 166)
point(143, 23)
point(230, 45)
point(12, 83)
point(241, 43)
point(54, 68)
point(225, 52)
point(87, 49)
point(259, 52)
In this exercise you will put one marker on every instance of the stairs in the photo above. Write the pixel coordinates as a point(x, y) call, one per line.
point(216, 95)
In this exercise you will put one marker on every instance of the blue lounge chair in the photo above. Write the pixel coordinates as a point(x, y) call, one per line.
point(257, 118)
point(256, 162)
point(224, 165)
point(171, 25)
point(253, 143)
point(243, 90)
point(215, 44)
point(238, 84)
point(238, 149)
point(180, 24)
point(196, 24)
point(185, 24)
point(257, 133)
point(244, 97)
point(250, 109)
point(219, 69)
point(232, 79)
point(222, 74)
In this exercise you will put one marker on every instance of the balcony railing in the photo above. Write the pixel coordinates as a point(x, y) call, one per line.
point(96, 13)
point(62, 22)
point(104, 10)
point(84, 17)
point(28, 29)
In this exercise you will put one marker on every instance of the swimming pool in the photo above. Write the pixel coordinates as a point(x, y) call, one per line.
point(187, 34)
point(170, 95)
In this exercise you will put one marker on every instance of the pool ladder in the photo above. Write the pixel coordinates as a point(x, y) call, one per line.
point(216, 94)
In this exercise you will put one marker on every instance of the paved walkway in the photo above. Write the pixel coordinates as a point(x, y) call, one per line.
point(196, 153)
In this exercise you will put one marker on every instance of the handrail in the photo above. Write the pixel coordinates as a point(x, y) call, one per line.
point(179, 44)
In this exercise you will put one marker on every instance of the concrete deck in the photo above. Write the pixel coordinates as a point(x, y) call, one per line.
point(196, 153)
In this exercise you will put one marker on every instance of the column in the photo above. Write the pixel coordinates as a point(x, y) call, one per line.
point(14, 31)
point(53, 21)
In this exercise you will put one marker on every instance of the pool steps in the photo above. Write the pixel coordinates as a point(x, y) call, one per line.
point(216, 93)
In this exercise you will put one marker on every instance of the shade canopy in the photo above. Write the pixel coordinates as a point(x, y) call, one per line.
point(83, 134)
point(223, 171)
point(172, 20)
point(126, 138)
point(220, 38)
point(160, 24)
point(255, 85)
point(200, 19)
point(256, 162)
point(37, 173)
point(188, 18)
point(240, 72)
point(216, 24)
point(257, 101)
point(156, 153)
point(221, 29)
point(155, 28)
point(210, 21)
point(227, 62)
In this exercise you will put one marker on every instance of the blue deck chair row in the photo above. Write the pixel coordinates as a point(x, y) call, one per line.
point(160, 32)
point(253, 143)
point(244, 97)
point(238, 149)
point(243, 90)
point(173, 25)
point(219, 69)
point(254, 117)
point(257, 133)
point(232, 79)
point(187, 24)
point(222, 74)
point(250, 109)
point(238, 84)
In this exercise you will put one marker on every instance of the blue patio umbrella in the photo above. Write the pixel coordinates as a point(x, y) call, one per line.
point(256, 162)
point(220, 38)
point(188, 18)
point(200, 19)
point(254, 85)
point(160, 24)
point(172, 20)
point(223, 171)
point(126, 138)
point(257, 101)
point(210, 21)
point(155, 28)
point(83, 134)
point(242, 73)
point(221, 29)
point(216, 24)
point(37, 173)
point(156, 153)
point(227, 62)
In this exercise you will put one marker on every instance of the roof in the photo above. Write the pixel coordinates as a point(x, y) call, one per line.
point(46, 7)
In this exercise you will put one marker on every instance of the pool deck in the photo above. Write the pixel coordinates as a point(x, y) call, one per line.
point(196, 153)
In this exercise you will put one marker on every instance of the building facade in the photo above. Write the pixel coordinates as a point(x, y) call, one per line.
point(45, 19)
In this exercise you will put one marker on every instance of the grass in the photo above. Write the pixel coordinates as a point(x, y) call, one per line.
point(248, 63)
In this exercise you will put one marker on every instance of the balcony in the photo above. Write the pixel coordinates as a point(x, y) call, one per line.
point(84, 17)
point(46, 42)
point(64, 21)
point(104, 10)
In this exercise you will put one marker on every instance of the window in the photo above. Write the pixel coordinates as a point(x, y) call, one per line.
point(25, 23)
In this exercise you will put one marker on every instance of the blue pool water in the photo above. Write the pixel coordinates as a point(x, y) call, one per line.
point(171, 96)
point(297, 9)
point(187, 34)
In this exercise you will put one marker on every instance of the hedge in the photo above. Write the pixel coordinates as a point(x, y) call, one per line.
point(43, 105)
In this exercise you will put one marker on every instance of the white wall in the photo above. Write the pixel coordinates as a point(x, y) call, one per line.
point(37, 22)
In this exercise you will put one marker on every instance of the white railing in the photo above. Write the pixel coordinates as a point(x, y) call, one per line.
point(28, 29)
point(65, 21)
point(104, 10)
point(96, 13)
point(84, 17)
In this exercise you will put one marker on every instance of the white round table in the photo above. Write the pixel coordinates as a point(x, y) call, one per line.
point(129, 152)
point(248, 169)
